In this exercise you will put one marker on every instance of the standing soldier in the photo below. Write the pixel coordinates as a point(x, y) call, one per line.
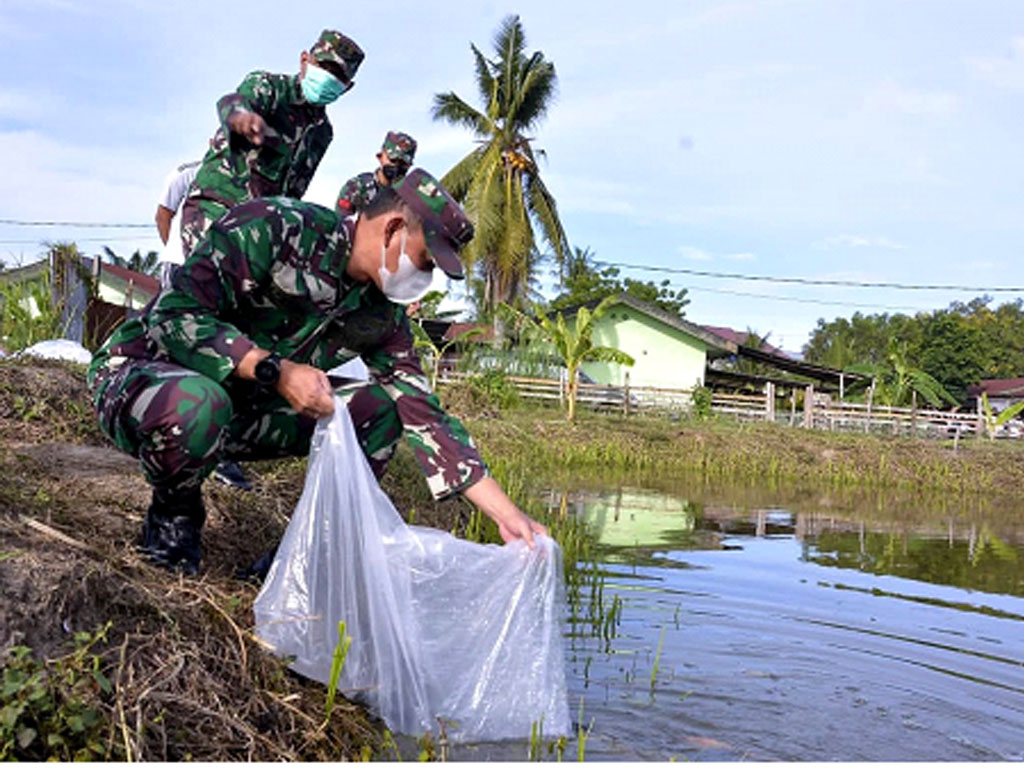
point(231, 362)
point(273, 133)
point(395, 157)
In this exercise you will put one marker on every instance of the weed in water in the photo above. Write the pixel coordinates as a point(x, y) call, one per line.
point(657, 660)
point(536, 740)
point(582, 735)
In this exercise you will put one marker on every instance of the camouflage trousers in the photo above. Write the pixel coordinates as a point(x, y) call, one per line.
point(197, 214)
point(180, 424)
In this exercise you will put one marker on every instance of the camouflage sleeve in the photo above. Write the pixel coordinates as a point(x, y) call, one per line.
point(256, 93)
point(443, 448)
point(187, 322)
point(347, 196)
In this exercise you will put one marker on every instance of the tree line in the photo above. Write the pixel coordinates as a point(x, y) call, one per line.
point(957, 346)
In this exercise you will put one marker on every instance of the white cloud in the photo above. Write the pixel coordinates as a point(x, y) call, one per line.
point(890, 96)
point(694, 254)
point(1002, 71)
point(858, 241)
point(699, 254)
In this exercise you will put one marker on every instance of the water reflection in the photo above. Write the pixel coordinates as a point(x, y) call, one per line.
point(800, 624)
point(939, 541)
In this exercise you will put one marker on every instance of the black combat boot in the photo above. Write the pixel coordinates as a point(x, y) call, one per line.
point(171, 533)
point(260, 567)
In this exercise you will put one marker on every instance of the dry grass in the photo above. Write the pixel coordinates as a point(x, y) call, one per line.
point(190, 681)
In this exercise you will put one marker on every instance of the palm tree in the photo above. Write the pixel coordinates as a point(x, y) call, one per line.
point(498, 182)
point(574, 344)
point(147, 264)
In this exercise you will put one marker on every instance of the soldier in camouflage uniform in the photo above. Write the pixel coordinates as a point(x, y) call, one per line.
point(231, 361)
point(273, 133)
point(395, 157)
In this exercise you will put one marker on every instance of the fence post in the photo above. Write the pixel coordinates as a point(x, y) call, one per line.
point(871, 398)
point(913, 413)
point(808, 406)
point(561, 388)
point(769, 404)
point(625, 400)
point(979, 428)
point(792, 406)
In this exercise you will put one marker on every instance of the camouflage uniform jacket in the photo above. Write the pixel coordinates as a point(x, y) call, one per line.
point(357, 193)
point(296, 137)
point(271, 272)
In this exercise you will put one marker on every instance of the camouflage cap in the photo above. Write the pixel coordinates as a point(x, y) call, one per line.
point(334, 47)
point(399, 147)
point(445, 225)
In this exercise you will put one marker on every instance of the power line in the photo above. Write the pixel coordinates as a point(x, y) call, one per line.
point(93, 224)
point(83, 240)
point(811, 281)
point(801, 301)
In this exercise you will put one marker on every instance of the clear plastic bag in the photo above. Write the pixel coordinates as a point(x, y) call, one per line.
point(440, 627)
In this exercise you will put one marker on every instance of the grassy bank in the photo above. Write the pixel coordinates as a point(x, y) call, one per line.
point(128, 661)
point(539, 443)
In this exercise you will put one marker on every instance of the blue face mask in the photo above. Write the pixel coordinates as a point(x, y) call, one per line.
point(321, 87)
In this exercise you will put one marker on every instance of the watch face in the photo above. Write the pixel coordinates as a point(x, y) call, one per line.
point(268, 370)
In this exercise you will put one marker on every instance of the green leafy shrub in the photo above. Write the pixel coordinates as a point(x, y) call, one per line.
point(52, 710)
point(702, 403)
point(495, 389)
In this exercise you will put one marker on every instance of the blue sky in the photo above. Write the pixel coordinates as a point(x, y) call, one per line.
point(868, 140)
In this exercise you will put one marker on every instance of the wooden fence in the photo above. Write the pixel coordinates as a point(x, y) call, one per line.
point(816, 411)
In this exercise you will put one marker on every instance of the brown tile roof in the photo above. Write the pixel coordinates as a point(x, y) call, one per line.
point(997, 387)
point(740, 337)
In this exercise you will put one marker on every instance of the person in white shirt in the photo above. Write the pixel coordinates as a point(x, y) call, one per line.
point(168, 223)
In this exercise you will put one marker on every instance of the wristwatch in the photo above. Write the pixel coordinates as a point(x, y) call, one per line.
point(268, 371)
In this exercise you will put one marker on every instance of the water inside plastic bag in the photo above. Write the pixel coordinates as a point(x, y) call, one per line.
point(440, 627)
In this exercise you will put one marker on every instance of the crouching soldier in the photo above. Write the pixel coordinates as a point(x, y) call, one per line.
point(230, 363)
point(395, 158)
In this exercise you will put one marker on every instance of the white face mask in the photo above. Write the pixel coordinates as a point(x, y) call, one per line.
point(407, 283)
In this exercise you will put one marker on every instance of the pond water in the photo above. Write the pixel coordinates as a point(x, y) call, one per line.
point(752, 624)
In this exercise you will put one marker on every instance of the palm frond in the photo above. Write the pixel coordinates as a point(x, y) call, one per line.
point(484, 75)
point(452, 109)
point(458, 179)
point(542, 206)
point(535, 93)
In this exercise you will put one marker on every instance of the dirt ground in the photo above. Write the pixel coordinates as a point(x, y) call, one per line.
point(189, 680)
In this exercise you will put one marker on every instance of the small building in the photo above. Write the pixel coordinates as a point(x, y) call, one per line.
point(668, 351)
point(1002, 393)
point(93, 296)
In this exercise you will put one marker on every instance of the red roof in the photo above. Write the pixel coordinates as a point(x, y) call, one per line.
point(456, 329)
point(144, 283)
point(997, 388)
point(740, 337)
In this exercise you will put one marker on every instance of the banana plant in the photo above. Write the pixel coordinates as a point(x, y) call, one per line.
point(897, 378)
point(435, 353)
point(573, 344)
point(994, 421)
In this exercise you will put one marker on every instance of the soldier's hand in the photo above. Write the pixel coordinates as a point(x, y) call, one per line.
point(306, 389)
point(249, 125)
point(512, 522)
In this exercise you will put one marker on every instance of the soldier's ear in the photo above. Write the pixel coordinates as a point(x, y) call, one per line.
point(394, 223)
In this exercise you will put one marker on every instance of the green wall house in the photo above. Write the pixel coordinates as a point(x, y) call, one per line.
point(669, 351)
